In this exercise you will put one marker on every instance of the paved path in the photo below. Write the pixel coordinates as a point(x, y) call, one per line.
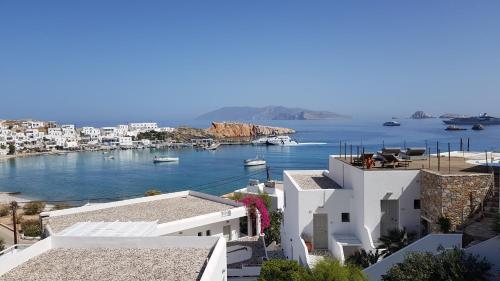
point(7, 236)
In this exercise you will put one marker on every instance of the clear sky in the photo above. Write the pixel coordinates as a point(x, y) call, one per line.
point(145, 60)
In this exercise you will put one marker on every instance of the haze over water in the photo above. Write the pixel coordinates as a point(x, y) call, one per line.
point(89, 175)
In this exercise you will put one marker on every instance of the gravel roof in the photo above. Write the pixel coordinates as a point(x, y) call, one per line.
point(112, 264)
point(164, 210)
point(314, 181)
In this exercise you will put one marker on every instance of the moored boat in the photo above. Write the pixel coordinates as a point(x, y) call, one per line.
point(281, 140)
point(477, 127)
point(213, 146)
point(160, 159)
point(454, 128)
point(392, 124)
point(254, 162)
point(483, 119)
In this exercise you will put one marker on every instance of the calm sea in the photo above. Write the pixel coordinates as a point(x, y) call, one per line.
point(89, 175)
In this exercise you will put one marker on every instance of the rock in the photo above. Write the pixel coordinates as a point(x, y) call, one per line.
point(238, 130)
point(421, 115)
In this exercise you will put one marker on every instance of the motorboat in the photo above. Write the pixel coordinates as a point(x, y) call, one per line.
point(483, 119)
point(261, 141)
point(281, 140)
point(392, 124)
point(477, 127)
point(110, 157)
point(254, 162)
point(454, 128)
point(161, 159)
point(213, 146)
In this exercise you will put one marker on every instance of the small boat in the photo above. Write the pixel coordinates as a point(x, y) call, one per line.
point(454, 128)
point(161, 159)
point(254, 162)
point(261, 141)
point(391, 124)
point(213, 146)
point(477, 127)
point(110, 157)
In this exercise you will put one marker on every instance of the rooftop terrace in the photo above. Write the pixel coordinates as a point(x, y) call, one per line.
point(162, 210)
point(445, 165)
point(181, 264)
point(308, 181)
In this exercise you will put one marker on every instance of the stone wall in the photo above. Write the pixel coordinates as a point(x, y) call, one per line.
point(452, 196)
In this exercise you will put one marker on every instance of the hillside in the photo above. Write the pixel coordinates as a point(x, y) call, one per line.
point(267, 113)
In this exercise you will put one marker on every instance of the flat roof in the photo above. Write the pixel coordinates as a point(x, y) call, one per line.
point(161, 210)
point(118, 264)
point(314, 181)
point(445, 165)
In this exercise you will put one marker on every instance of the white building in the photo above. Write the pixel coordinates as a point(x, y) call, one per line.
point(272, 188)
point(122, 130)
point(118, 258)
point(346, 208)
point(91, 132)
point(109, 132)
point(125, 141)
point(185, 213)
point(143, 126)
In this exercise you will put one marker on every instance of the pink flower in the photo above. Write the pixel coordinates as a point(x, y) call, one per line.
point(253, 202)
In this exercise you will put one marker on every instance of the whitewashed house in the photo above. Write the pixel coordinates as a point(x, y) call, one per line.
point(142, 127)
point(185, 213)
point(118, 258)
point(272, 188)
point(121, 130)
point(125, 141)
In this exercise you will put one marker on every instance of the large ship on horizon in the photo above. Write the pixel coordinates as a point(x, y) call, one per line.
point(483, 119)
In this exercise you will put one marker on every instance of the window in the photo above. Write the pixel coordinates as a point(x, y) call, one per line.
point(416, 204)
point(209, 232)
point(200, 233)
point(345, 217)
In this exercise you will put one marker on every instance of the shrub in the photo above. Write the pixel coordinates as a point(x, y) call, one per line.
point(363, 258)
point(395, 240)
point(273, 232)
point(448, 265)
point(4, 210)
point(444, 224)
point(331, 270)
point(61, 206)
point(152, 192)
point(33, 208)
point(282, 270)
point(31, 228)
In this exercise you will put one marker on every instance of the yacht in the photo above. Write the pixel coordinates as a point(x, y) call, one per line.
point(213, 146)
point(261, 141)
point(254, 162)
point(160, 159)
point(281, 140)
point(392, 124)
point(483, 119)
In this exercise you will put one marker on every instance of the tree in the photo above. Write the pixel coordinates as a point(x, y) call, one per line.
point(152, 192)
point(363, 258)
point(448, 265)
point(12, 149)
point(33, 208)
point(273, 232)
point(395, 240)
point(444, 224)
point(31, 228)
point(282, 270)
point(331, 270)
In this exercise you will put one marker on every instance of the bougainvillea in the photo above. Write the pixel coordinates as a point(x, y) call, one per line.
point(255, 202)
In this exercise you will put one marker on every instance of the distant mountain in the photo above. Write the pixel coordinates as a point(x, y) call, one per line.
point(267, 113)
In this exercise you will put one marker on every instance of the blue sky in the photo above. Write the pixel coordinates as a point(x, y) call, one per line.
point(145, 60)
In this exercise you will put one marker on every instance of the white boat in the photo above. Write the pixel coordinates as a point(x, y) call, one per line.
point(254, 162)
point(110, 157)
point(214, 146)
point(260, 141)
point(281, 140)
point(160, 159)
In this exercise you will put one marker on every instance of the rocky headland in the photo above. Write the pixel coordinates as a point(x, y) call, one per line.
point(244, 130)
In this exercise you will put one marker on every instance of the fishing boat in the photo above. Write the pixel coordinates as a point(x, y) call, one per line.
point(281, 140)
point(477, 127)
point(213, 146)
point(161, 159)
point(454, 128)
point(392, 124)
point(254, 162)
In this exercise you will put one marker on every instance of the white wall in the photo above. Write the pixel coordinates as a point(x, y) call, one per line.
point(216, 229)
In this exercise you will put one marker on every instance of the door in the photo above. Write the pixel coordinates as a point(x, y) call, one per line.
point(320, 228)
point(226, 232)
point(390, 216)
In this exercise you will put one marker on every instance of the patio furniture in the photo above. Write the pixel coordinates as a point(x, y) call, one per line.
point(391, 159)
point(391, 150)
point(414, 153)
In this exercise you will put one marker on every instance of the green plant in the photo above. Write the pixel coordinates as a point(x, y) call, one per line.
point(331, 270)
point(395, 240)
point(282, 270)
point(363, 258)
point(152, 192)
point(444, 224)
point(2, 146)
point(31, 228)
point(33, 208)
point(273, 232)
point(12, 149)
point(4, 210)
point(268, 201)
point(236, 196)
point(449, 265)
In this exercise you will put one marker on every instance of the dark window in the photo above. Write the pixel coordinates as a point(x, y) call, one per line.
point(345, 217)
point(200, 233)
point(416, 204)
point(209, 233)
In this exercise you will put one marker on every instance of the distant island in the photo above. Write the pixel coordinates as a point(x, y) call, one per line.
point(268, 113)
